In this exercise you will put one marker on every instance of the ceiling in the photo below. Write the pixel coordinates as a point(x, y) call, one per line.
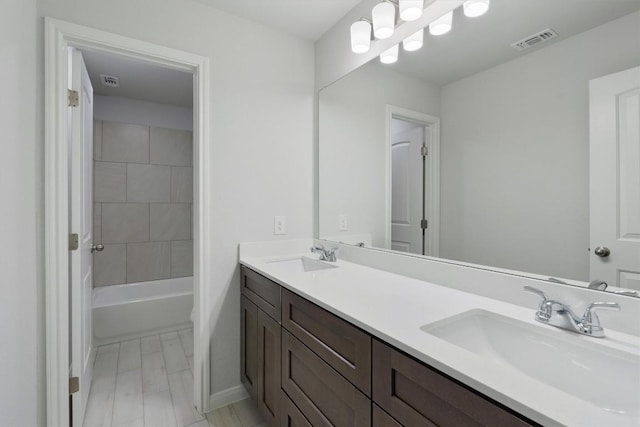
point(139, 80)
point(477, 44)
point(309, 19)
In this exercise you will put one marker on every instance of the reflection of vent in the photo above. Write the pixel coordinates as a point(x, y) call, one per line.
point(534, 39)
point(109, 80)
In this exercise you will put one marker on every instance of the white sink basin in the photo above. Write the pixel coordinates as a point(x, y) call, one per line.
point(299, 265)
point(605, 377)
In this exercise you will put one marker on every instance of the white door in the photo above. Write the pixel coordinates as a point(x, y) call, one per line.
point(407, 186)
point(81, 223)
point(614, 183)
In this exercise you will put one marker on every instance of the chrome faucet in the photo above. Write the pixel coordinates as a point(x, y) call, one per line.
point(326, 254)
point(560, 315)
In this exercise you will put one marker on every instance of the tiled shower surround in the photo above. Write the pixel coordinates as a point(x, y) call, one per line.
point(143, 190)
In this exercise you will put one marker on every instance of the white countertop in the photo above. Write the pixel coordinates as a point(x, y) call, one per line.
point(394, 308)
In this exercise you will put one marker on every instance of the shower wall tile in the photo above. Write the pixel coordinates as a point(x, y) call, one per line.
point(123, 142)
point(148, 183)
point(97, 140)
point(97, 223)
point(181, 185)
point(148, 261)
point(109, 182)
point(109, 265)
point(170, 221)
point(182, 258)
point(125, 222)
point(171, 147)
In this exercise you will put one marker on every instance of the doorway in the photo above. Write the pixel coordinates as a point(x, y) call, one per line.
point(60, 37)
point(413, 182)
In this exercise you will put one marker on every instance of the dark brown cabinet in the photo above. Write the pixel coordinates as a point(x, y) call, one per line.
point(316, 369)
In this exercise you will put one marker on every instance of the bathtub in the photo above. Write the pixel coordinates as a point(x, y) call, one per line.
point(134, 310)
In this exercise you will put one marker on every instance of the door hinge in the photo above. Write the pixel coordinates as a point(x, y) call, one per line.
point(74, 385)
point(73, 242)
point(74, 98)
point(424, 223)
point(424, 151)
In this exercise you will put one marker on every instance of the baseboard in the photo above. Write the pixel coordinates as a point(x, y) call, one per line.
point(227, 397)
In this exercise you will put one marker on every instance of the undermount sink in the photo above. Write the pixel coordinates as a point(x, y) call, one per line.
point(605, 377)
point(299, 265)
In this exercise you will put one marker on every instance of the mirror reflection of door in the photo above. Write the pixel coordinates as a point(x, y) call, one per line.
point(408, 190)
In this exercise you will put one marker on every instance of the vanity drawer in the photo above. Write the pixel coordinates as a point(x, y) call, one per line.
point(343, 346)
point(417, 395)
point(290, 415)
point(382, 419)
point(261, 291)
point(322, 395)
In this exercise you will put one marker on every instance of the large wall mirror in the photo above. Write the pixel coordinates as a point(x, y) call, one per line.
point(473, 151)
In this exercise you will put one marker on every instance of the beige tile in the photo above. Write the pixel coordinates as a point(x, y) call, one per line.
point(150, 344)
point(129, 358)
point(109, 182)
point(97, 223)
point(154, 374)
point(181, 384)
point(97, 140)
point(182, 258)
point(148, 261)
point(181, 184)
point(170, 221)
point(128, 401)
point(171, 147)
point(158, 410)
point(148, 183)
point(125, 222)
point(109, 265)
point(174, 358)
point(123, 142)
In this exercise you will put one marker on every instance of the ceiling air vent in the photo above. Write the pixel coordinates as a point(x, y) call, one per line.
point(534, 40)
point(109, 80)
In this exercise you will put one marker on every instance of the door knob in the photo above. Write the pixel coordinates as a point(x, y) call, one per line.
point(602, 251)
point(98, 248)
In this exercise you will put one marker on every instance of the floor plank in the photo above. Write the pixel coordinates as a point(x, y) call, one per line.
point(129, 358)
point(154, 373)
point(174, 357)
point(158, 410)
point(181, 385)
point(128, 402)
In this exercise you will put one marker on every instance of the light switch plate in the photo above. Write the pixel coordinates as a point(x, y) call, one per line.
point(279, 225)
point(342, 222)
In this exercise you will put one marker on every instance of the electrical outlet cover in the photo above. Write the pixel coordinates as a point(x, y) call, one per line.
point(279, 225)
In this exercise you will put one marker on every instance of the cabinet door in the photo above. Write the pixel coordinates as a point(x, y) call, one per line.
point(417, 395)
point(382, 419)
point(249, 346)
point(268, 367)
point(322, 394)
point(261, 291)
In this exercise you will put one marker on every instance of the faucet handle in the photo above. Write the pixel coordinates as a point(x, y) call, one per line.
point(544, 311)
point(591, 317)
point(537, 292)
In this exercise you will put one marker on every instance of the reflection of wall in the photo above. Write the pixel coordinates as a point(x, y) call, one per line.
point(352, 117)
point(143, 187)
point(515, 143)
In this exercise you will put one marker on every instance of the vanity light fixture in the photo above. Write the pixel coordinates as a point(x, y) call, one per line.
point(441, 25)
point(410, 10)
point(384, 19)
point(475, 8)
point(414, 41)
point(389, 56)
point(361, 36)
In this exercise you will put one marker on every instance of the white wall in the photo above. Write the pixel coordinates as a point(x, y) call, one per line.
point(352, 153)
point(21, 307)
point(515, 154)
point(262, 118)
point(126, 110)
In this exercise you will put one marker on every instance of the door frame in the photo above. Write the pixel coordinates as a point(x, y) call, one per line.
point(431, 123)
point(60, 35)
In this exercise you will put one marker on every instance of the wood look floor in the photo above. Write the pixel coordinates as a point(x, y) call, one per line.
point(148, 382)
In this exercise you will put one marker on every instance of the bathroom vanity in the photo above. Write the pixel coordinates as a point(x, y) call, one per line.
point(306, 366)
point(345, 344)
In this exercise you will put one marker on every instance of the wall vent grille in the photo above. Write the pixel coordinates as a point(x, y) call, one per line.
point(109, 81)
point(534, 39)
